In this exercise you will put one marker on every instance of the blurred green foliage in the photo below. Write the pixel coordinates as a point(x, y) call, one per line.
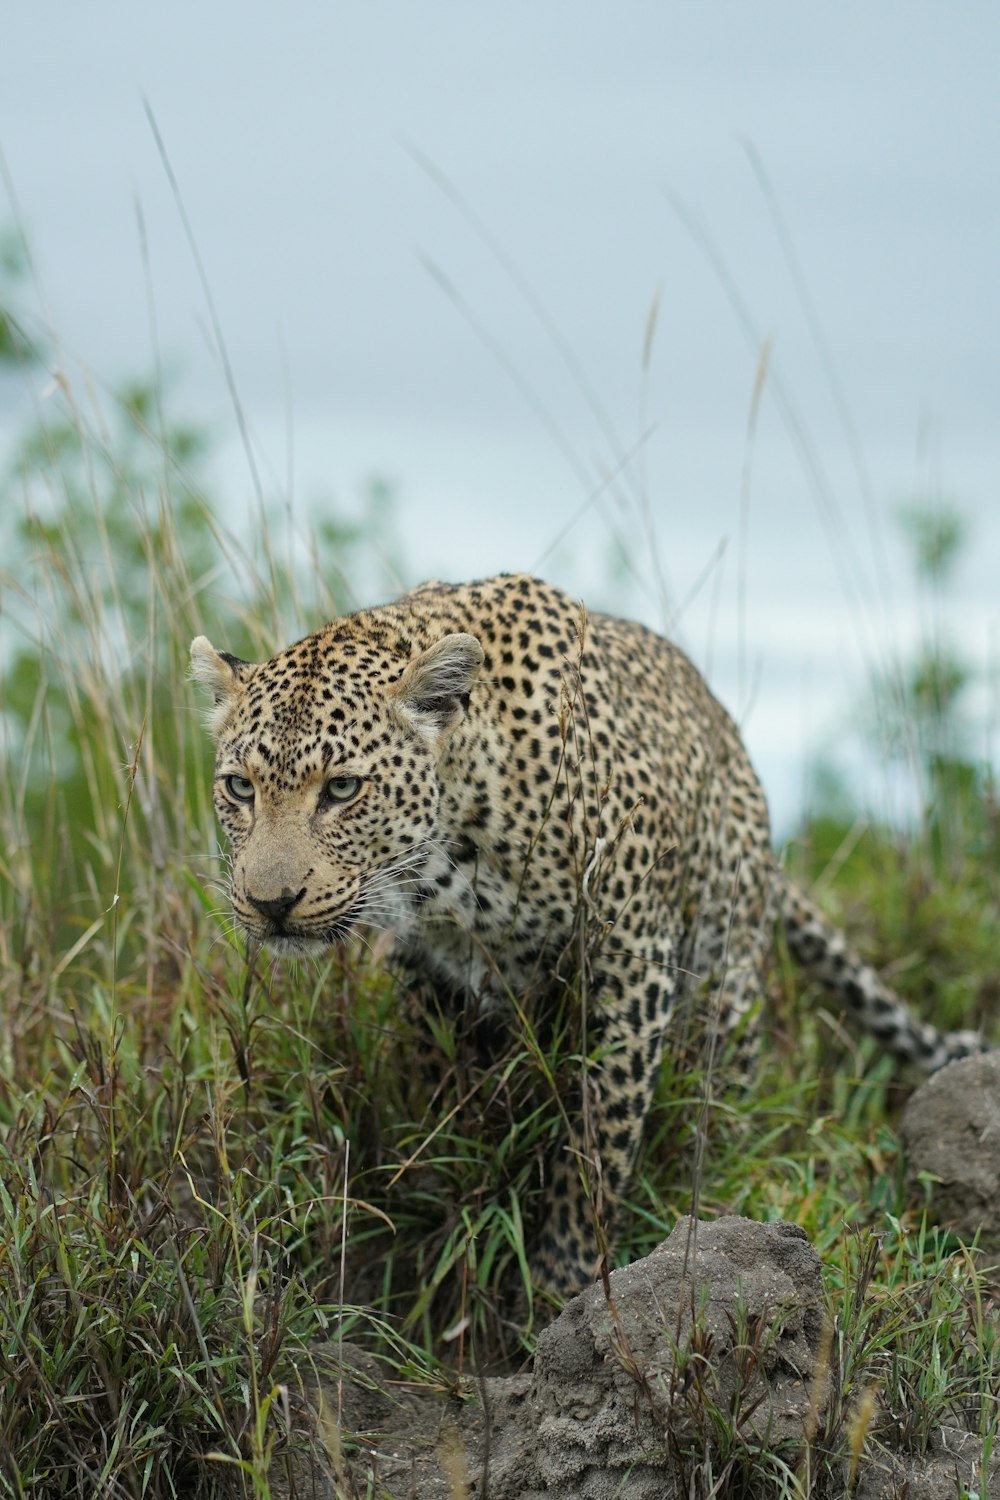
point(928, 895)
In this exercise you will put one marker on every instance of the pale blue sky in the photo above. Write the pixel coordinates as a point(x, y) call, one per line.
point(568, 131)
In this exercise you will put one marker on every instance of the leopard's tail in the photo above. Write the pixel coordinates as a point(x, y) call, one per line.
point(824, 951)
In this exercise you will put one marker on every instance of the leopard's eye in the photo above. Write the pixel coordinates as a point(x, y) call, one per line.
point(341, 788)
point(240, 788)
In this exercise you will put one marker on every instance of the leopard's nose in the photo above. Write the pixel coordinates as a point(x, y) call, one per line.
point(276, 907)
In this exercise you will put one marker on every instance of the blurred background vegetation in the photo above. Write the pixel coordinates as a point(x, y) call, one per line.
point(927, 892)
point(114, 555)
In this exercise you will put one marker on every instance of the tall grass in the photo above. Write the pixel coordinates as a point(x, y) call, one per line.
point(174, 1163)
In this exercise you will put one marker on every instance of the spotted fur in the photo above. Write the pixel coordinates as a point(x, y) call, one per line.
point(481, 768)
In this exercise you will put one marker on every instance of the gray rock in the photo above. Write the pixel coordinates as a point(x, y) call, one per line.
point(951, 1130)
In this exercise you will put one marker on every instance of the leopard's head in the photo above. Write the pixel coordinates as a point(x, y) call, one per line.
point(327, 776)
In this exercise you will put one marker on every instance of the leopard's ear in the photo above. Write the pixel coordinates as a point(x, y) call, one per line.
point(435, 687)
point(223, 674)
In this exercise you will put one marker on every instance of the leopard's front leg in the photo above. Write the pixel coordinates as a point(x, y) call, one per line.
point(591, 1173)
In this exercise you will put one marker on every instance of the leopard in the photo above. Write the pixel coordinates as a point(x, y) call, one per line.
point(510, 786)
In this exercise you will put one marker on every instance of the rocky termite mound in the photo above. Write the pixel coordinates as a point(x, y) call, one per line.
point(722, 1326)
point(951, 1134)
